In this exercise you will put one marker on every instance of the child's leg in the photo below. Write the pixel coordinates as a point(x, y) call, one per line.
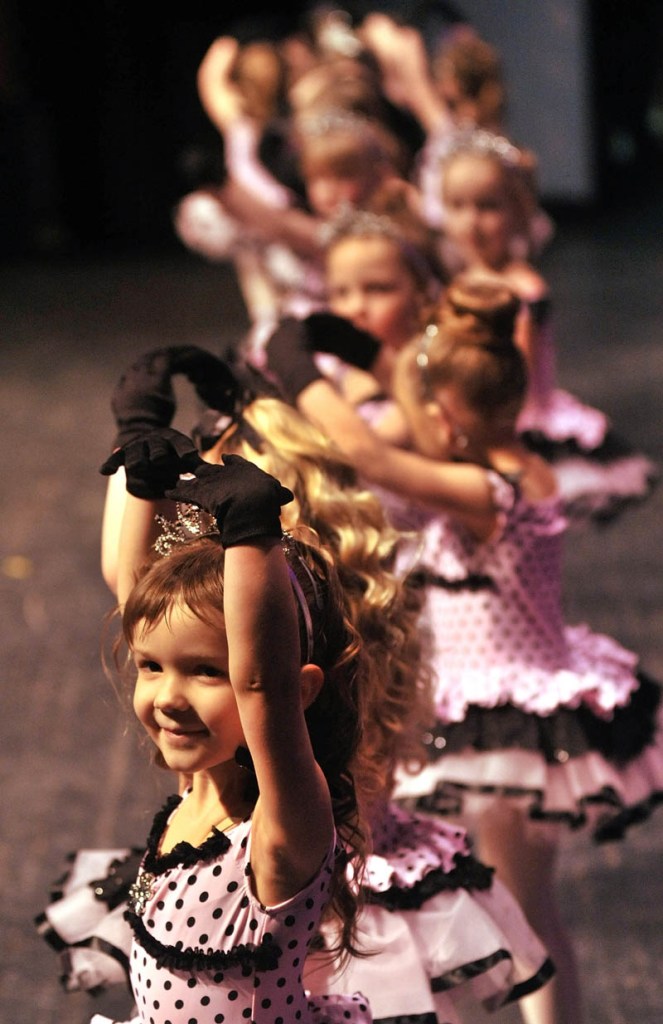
point(524, 856)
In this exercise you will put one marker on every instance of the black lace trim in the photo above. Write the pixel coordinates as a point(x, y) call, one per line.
point(612, 448)
point(264, 957)
point(409, 1018)
point(468, 971)
point(184, 853)
point(447, 799)
point(422, 577)
point(469, 874)
point(565, 733)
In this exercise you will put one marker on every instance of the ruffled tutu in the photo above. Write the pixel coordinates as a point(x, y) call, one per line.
point(596, 671)
point(84, 922)
point(598, 473)
point(571, 766)
point(441, 925)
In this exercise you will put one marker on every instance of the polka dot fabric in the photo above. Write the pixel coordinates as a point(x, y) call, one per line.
point(436, 917)
point(506, 642)
point(507, 666)
point(206, 951)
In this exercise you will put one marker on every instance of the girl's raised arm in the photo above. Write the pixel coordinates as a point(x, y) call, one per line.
point(293, 823)
point(459, 488)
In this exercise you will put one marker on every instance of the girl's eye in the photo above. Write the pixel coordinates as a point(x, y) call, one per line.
point(211, 672)
point(144, 665)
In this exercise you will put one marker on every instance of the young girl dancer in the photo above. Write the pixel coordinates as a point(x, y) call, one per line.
point(244, 659)
point(491, 214)
point(538, 723)
point(432, 911)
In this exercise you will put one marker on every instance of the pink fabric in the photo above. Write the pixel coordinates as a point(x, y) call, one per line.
point(210, 907)
point(560, 416)
point(509, 643)
point(466, 939)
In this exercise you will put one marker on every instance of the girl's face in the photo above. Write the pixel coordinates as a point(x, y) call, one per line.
point(183, 696)
point(369, 283)
point(479, 216)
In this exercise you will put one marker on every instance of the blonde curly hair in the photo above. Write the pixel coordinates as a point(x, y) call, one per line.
point(395, 680)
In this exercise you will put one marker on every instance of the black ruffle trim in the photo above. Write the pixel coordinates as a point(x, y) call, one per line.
point(469, 874)
point(264, 957)
point(184, 853)
point(612, 448)
point(563, 734)
point(461, 975)
point(409, 1018)
point(447, 799)
point(423, 577)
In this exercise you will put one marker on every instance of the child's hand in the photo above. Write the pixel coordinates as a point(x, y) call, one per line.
point(143, 399)
point(290, 348)
point(245, 501)
point(154, 462)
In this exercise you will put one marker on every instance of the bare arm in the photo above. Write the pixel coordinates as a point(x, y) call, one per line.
point(293, 822)
point(293, 227)
point(407, 81)
point(461, 489)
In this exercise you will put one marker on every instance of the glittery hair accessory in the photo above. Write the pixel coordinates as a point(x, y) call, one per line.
point(191, 523)
point(332, 120)
point(422, 358)
point(481, 142)
point(352, 223)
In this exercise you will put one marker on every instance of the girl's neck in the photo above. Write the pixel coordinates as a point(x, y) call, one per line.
point(215, 801)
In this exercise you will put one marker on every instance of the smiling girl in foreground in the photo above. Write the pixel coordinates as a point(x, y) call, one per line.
point(239, 871)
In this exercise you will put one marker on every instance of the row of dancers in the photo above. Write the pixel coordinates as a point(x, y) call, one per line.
point(340, 593)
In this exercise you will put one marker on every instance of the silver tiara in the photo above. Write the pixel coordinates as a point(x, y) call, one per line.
point(332, 120)
point(479, 141)
point(349, 221)
point(191, 523)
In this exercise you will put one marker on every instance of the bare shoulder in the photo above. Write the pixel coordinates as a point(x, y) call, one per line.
point(538, 482)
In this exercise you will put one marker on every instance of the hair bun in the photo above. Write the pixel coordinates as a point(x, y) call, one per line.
point(479, 312)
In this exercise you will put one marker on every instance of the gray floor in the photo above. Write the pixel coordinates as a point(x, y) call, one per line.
point(72, 773)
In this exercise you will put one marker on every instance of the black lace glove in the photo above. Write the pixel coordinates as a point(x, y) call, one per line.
point(290, 349)
point(143, 399)
point(153, 463)
point(245, 501)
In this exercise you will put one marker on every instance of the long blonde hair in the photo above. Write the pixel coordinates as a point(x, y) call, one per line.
point(394, 679)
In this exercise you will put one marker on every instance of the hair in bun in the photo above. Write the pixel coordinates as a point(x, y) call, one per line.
point(470, 346)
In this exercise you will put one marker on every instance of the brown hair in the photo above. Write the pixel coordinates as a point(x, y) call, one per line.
point(192, 574)
point(476, 67)
point(471, 346)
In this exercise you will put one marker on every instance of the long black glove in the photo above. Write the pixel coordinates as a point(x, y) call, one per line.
point(244, 500)
point(153, 463)
point(291, 347)
point(143, 399)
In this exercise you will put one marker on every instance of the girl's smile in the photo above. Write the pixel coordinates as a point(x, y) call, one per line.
point(183, 696)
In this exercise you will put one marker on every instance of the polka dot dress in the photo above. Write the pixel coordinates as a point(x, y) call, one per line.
point(528, 707)
point(438, 922)
point(502, 638)
point(206, 951)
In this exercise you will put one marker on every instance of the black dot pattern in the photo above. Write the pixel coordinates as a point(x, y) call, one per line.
point(505, 642)
point(207, 952)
